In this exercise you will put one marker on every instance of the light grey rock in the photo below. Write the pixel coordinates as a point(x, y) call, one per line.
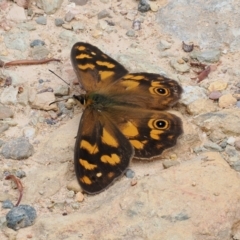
point(69, 36)
point(69, 16)
point(42, 20)
point(40, 52)
point(50, 6)
point(143, 6)
point(5, 112)
point(169, 163)
point(212, 146)
point(227, 121)
point(210, 56)
point(103, 14)
point(59, 22)
point(9, 96)
point(21, 217)
point(20, 173)
point(180, 67)
point(7, 204)
point(37, 42)
point(29, 26)
point(163, 45)
point(78, 26)
point(192, 93)
point(42, 101)
point(3, 127)
point(79, 2)
point(200, 106)
point(16, 13)
point(17, 40)
point(62, 90)
point(17, 149)
point(130, 33)
point(130, 173)
point(22, 97)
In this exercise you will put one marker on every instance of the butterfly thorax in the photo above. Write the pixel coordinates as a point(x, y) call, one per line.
point(96, 101)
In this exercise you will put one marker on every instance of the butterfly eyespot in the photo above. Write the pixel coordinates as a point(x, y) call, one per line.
point(162, 91)
point(160, 124)
point(159, 91)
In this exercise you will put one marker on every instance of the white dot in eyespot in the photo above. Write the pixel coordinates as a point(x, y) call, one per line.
point(99, 174)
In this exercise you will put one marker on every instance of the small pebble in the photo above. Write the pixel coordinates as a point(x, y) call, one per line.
point(130, 33)
point(50, 121)
point(133, 182)
point(7, 204)
point(69, 16)
point(227, 100)
point(78, 26)
point(212, 146)
point(103, 14)
point(70, 194)
point(67, 26)
point(169, 163)
point(153, 6)
point(231, 141)
point(59, 22)
point(130, 173)
point(163, 45)
point(79, 2)
point(143, 6)
point(74, 185)
point(217, 86)
point(20, 174)
point(237, 145)
point(75, 205)
point(37, 42)
point(215, 95)
point(136, 25)
point(79, 197)
point(41, 20)
point(238, 104)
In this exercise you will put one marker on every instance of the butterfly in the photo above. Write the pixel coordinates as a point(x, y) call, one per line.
point(123, 117)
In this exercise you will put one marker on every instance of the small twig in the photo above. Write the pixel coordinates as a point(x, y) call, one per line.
point(27, 62)
point(202, 75)
point(19, 186)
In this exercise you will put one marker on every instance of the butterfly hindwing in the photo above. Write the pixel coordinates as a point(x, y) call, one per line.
point(94, 68)
point(102, 152)
point(150, 132)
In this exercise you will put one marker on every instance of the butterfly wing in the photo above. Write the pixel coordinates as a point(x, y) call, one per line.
point(150, 132)
point(94, 68)
point(144, 90)
point(102, 152)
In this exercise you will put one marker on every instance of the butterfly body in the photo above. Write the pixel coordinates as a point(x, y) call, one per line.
point(124, 117)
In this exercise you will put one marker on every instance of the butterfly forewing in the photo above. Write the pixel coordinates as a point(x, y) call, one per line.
point(102, 152)
point(94, 68)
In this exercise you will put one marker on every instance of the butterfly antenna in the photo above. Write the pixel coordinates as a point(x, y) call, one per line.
point(58, 76)
point(60, 100)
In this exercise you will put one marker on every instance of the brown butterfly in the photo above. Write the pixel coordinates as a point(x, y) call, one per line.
point(123, 117)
